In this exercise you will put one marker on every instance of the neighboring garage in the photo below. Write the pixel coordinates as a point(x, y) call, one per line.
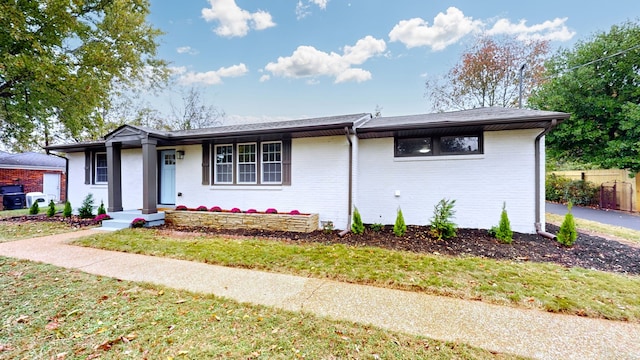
point(34, 173)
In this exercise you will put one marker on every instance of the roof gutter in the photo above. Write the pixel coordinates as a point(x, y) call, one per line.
point(538, 194)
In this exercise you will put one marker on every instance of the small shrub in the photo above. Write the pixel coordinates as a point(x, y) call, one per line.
point(271, 211)
point(377, 227)
point(181, 208)
point(251, 211)
point(101, 209)
point(202, 208)
point(327, 226)
point(441, 225)
point(357, 227)
point(138, 223)
point(399, 228)
point(503, 231)
point(216, 209)
point(294, 212)
point(67, 211)
point(101, 217)
point(568, 234)
point(52, 209)
point(34, 209)
point(86, 210)
point(564, 190)
point(235, 210)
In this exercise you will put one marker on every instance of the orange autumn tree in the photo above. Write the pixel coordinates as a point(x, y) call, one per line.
point(488, 74)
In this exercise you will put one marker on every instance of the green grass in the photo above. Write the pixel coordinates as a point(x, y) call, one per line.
point(54, 313)
point(10, 231)
point(20, 212)
point(532, 285)
point(599, 228)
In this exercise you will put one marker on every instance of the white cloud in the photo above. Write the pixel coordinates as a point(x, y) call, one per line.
point(186, 50)
point(302, 9)
point(308, 62)
point(447, 29)
point(553, 30)
point(265, 77)
point(234, 21)
point(209, 77)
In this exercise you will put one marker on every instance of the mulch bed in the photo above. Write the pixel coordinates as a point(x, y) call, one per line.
point(591, 252)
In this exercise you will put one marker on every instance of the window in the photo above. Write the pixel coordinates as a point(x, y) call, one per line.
point(260, 163)
point(247, 166)
point(438, 145)
point(224, 164)
point(100, 175)
point(272, 162)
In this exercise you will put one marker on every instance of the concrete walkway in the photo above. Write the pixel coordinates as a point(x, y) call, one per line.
point(528, 333)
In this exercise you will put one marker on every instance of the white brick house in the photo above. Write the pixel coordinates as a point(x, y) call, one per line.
point(482, 158)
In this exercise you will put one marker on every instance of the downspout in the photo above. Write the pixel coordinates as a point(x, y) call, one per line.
point(350, 196)
point(538, 223)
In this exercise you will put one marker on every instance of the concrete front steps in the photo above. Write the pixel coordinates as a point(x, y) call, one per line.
point(122, 219)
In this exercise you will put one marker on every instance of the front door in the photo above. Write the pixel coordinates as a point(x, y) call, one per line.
point(167, 177)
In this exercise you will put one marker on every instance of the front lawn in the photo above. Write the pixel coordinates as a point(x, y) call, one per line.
point(54, 313)
point(543, 286)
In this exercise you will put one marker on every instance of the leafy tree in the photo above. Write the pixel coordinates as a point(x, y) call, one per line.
point(52, 209)
point(399, 228)
point(597, 82)
point(357, 227)
point(488, 74)
point(60, 60)
point(568, 233)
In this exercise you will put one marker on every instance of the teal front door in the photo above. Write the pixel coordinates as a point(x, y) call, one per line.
point(167, 177)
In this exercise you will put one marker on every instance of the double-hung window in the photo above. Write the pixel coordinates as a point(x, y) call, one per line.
point(224, 164)
point(247, 163)
point(100, 175)
point(255, 163)
point(272, 162)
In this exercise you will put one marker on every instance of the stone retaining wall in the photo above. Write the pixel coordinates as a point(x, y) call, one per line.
point(224, 220)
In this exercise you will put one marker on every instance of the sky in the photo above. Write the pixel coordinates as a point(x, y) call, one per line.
point(282, 60)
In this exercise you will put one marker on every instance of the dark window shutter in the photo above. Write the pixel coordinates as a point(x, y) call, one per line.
point(87, 167)
point(286, 162)
point(206, 164)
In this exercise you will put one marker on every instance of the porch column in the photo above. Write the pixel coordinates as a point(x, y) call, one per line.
point(149, 176)
point(114, 178)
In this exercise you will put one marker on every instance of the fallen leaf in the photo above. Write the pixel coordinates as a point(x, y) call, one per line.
point(52, 325)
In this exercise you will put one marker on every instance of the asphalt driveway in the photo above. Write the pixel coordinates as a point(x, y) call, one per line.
point(610, 217)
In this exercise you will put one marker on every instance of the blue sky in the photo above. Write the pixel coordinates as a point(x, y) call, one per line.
point(275, 60)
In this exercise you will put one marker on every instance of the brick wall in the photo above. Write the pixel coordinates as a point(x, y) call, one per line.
point(31, 179)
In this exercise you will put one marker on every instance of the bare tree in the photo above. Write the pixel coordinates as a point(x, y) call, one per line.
point(488, 74)
point(194, 113)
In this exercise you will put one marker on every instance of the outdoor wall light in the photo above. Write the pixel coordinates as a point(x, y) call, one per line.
point(180, 154)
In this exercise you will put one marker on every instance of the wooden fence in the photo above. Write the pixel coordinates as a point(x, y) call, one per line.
point(626, 187)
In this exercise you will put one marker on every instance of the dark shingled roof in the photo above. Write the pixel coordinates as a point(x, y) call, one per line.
point(481, 119)
point(30, 159)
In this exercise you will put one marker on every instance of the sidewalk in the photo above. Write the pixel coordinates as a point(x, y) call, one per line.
point(524, 332)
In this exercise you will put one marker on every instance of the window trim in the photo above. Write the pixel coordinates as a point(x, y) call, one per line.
point(210, 147)
point(435, 145)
